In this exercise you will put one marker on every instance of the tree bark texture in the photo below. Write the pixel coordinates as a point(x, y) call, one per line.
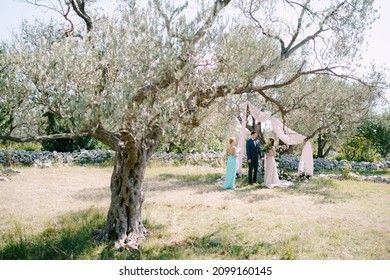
point(124, 219)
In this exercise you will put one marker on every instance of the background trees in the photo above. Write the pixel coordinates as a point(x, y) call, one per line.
point(376, 128)
point(329, 110)
point(127, 79)
point(370, 141)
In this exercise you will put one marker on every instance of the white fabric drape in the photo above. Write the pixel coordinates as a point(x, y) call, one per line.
point(286, 134)
point(241, 142)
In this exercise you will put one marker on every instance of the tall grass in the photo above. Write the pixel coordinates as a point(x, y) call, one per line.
point(30, 146)
point(71, 239)
point(385, 172)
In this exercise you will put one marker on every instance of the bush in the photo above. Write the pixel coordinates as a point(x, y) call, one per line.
point(346, 170)
point(358, 149)
point(69, 145)
point(55, 125)
point(377, 129)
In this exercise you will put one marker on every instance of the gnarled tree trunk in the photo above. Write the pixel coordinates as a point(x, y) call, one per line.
point(124, 219)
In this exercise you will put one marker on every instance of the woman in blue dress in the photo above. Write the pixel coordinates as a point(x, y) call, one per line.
point(231, 165)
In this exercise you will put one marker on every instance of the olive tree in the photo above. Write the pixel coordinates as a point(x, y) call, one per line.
point(126, 79)
point(326, 109)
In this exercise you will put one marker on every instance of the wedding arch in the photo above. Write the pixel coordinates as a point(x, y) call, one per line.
point(287, 135)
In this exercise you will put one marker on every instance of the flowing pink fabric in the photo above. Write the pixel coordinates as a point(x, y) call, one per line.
point(284, 133)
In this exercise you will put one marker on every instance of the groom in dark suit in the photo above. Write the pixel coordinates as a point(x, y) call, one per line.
point(252, 155)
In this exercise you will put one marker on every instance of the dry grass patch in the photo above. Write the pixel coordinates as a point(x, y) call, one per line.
point(324, 219)
point(36, 197)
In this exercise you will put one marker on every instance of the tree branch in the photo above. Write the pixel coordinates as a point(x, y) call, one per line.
point(168, 20)
point(38, 4)
point(107, 137)
point(290, 49)
point(299, 73)
point(263, 31)
point(169, 78)
point(218, 6)
point(70, 31)
point(300, 19)
point(79, 7)
point(42, 137)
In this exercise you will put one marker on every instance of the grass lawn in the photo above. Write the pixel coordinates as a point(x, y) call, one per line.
point(49, 214)
point(383, 172)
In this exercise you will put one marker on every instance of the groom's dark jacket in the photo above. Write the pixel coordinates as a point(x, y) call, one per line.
point(252, 150)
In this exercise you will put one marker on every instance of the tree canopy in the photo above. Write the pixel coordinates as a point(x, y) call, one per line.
point(152, 62)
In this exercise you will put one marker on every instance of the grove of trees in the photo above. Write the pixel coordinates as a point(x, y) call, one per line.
point(128, 78)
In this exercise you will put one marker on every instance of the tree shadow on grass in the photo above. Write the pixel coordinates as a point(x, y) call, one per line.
point(72, 239)
point(213, 247)
point(324, 189)
point(203, 182)
point(206, 183)
point(195, 179)
point(88, 194)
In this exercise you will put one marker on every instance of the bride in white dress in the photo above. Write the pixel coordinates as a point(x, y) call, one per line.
point(271, 178)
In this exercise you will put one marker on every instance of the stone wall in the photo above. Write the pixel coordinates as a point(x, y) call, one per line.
point(46, 159)
point(210, 158)
point(290, 163)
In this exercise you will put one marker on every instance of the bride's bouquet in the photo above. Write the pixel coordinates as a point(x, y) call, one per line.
point(265, 149)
